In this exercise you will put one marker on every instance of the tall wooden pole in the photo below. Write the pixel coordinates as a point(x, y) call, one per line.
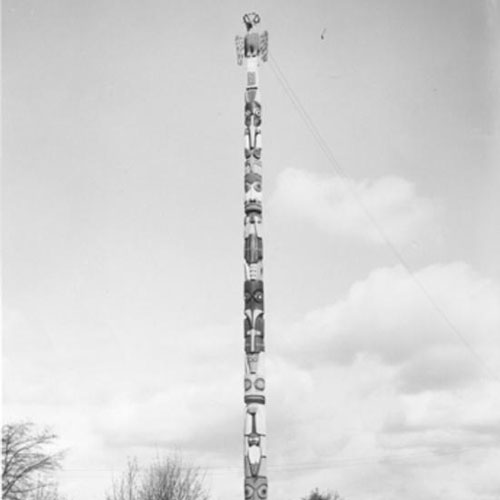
point(252, 48)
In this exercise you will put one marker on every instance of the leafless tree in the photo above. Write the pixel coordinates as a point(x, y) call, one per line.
point(127, 486)
point(165, 479)
point(28, 459)
point(47, 492)
point(327, 495)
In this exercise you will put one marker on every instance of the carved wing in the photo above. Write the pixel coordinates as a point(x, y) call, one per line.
point(240, 44)
point(264, 40)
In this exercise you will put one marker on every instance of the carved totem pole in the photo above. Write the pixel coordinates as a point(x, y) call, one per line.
point(251, 48)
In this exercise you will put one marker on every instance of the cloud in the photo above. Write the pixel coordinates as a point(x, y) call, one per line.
point(387, 316)
point(391, 404)
point(339, 206)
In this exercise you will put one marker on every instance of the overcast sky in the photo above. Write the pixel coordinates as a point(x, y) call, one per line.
point(123, 241)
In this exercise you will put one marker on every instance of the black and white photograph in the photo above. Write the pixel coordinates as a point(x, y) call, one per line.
point(250, 250)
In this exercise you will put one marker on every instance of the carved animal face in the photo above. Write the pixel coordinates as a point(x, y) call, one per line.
point(255, 383)
point(254, 389)
point(254, 295)
point(253, 225)
point(253, 193)
point(255, 488)
point(254, 330)
point(253, 113)
point(253, 166)
point(254, 318)
point(253, 149)
point(253, 456)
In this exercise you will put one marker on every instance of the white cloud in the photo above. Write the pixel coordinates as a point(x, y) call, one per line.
point(399, 405)
point(388, 316)
point(339, 206)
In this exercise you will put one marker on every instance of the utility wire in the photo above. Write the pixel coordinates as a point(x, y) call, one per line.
point(332, 462)
point(283, 81)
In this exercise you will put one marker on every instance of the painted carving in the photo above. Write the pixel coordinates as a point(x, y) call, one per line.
point(255, 383)
point(253, 224)
point(264, 41)
point(256, 488)
point(253, 110)
point(251, 20)
point(254, 295)
point(255, 453)
point(253, 48)
point(254, 271)
point(253, 166)
point(255, 44)
point(253, 251)
point(240, 49)
point(253, 147)
point(252, 45)
point(252, 362)
point(254, 330)
point(253, 193)
point(255, 439)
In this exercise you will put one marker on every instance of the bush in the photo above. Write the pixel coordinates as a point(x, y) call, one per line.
point(327, 495)
point(165, 479)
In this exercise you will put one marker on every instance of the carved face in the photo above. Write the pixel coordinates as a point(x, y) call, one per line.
point(253, 166)
point(254, 389)
point(254, 295)
point(254, 458)
point(253, 149)
point(252, 361)
point(253, 113)
point(254, 319)
point(255, 383)
point(253, 440)
point(253, 225)
point(254, 331)
point(251, 20)
point(251, 179)
point(255, 488)
point(253, 193)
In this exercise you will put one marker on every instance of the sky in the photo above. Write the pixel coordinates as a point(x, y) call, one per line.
point(123, 241)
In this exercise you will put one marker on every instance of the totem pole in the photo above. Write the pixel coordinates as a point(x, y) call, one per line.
point(251, 48)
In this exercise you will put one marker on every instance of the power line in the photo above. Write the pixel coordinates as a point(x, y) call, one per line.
point(332, 462)
point(373, 221)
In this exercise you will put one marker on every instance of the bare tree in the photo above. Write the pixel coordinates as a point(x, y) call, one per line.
point(127, 486)
point(47, 492)
point(165, 479)
point(327, 495)
point(28, 459)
